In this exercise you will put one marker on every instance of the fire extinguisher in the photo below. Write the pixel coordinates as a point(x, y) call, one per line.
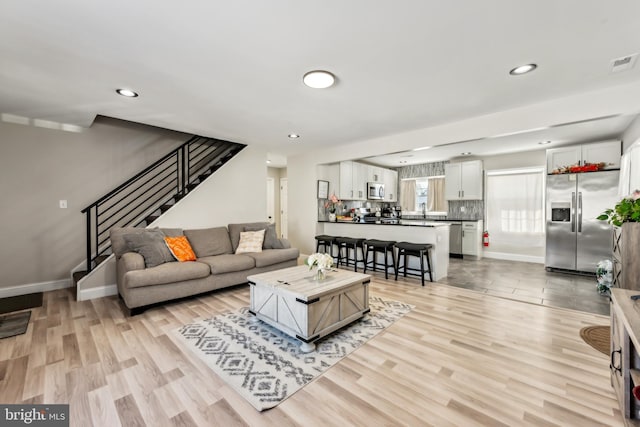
point(485, 238)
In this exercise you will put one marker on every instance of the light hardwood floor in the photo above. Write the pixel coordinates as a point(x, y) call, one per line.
point(460, 358)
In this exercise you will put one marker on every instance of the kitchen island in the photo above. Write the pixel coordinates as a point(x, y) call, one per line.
point(414, 231)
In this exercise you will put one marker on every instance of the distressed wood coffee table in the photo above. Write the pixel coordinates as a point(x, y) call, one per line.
point(292, 301)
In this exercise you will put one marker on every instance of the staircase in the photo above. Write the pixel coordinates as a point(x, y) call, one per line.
point(143, 198)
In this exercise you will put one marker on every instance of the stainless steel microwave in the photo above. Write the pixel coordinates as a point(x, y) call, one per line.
point(375, 191)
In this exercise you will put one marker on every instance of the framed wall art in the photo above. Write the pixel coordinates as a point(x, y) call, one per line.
point(323, 189)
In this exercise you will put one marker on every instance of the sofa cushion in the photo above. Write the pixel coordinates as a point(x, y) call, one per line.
point(271, 240)
point(180, 248)
point(169, 272)
point(250, 241)
point(228, 263)
point(150, 244)
point(209, 241)
point(273, 256)
point(236, 229)
point(119, 246)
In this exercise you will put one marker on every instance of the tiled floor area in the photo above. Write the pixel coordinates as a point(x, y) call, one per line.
point(527, 282)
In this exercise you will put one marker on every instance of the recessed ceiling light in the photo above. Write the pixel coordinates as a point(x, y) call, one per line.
point(268, 161)
point(523, 69)
point(544, 142)
point(466, 153)
point(127, 92)
point(293, 135)
point(319, 79)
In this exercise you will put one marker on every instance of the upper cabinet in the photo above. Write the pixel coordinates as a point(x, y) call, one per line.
point(375, 173)
point(390, 180)
point(352, 177)
point(577, 158)
point(353, 181)
point(463, 181)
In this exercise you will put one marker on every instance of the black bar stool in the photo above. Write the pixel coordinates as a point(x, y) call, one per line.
point(380, 246)
point(327, 243)
point(420, 250)
point(350, 244)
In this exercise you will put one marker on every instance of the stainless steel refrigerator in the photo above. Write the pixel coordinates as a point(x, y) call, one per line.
point(576, 240)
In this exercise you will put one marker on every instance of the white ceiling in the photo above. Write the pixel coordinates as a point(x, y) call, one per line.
point(592, 130)
point(233, 70)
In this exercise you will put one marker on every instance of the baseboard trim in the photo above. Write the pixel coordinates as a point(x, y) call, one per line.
point(514, 257)
point(98, 292)
point(32, 288)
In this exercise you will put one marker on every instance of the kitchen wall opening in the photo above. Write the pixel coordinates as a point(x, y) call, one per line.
point(514, 217)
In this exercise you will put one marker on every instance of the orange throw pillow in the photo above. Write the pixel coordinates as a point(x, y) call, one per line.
point(180, 248)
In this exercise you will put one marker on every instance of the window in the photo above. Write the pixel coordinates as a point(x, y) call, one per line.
point(423, 194)
point(515, 211)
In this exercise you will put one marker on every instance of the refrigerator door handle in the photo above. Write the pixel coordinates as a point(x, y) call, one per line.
point(580, 212)
point(573, 212)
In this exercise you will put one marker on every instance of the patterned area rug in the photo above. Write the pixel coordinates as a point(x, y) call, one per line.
point(265, 365)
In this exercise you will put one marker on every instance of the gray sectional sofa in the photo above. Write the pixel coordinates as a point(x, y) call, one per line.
point(147, 276)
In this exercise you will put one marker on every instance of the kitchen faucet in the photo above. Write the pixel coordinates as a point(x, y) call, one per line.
point(424, 210)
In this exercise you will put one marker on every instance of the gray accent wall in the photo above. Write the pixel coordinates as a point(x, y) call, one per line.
point(421, 170)
point(39, 167)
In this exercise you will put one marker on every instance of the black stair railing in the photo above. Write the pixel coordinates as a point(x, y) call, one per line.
point(153, 190)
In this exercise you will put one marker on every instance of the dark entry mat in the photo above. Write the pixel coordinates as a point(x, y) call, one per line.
point(14, 324)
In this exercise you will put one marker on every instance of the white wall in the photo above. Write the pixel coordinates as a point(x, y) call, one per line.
point(515, 160)
point(631, 134)
point(302, 219)
point(235, 193)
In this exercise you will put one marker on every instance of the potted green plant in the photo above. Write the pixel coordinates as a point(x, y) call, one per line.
point(627, 210)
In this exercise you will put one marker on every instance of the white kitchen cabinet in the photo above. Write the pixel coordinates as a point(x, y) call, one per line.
point(346, 180)
point(472, 239)
point(353, 181)
point(390, 180)
point(463, 181)
point(333, 176)
point(375, 173)
point(359, 181)
point(608, 152)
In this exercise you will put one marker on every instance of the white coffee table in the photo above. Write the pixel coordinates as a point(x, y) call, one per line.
point(292, 301)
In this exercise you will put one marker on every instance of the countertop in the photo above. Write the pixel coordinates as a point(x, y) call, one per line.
point(401, 222)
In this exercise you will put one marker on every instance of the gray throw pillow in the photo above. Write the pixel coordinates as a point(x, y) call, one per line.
point(151, 245)
point(271, 240)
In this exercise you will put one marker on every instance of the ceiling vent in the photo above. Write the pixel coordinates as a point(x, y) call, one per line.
point(623, 63)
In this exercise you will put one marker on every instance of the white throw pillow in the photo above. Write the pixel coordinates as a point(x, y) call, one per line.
point(250, 241)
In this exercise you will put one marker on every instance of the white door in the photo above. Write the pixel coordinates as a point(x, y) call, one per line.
point(270, 200)
point(283, 208)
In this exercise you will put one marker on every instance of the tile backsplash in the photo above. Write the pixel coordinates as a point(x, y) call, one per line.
point(473, 209)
